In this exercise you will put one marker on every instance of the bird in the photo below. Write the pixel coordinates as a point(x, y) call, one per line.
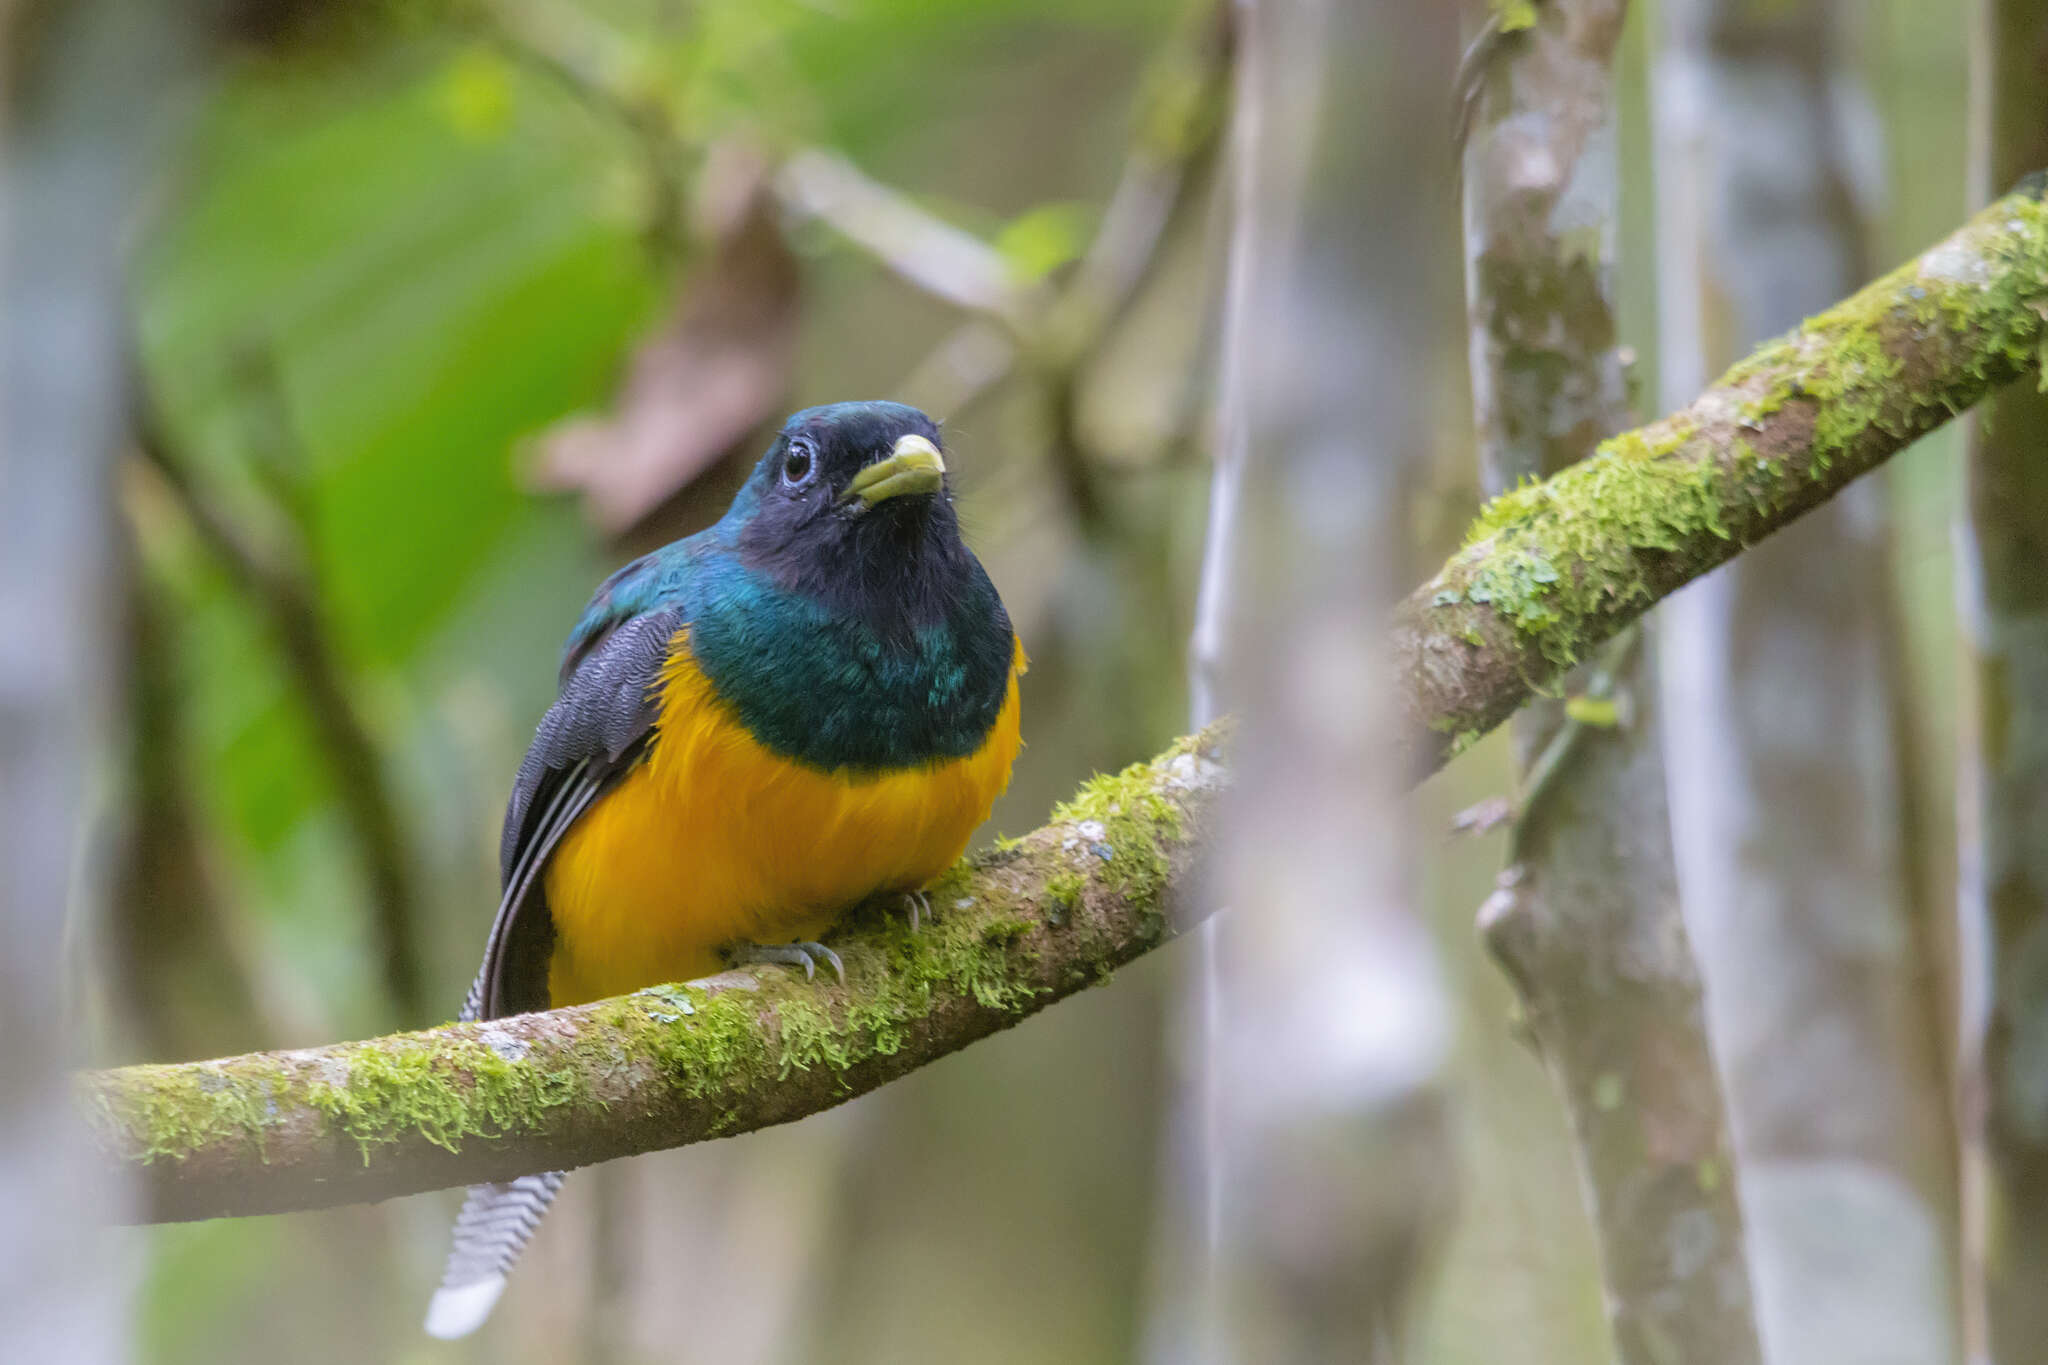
point(809, 704)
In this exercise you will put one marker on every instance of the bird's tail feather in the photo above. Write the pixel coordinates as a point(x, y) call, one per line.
point(492, 1229)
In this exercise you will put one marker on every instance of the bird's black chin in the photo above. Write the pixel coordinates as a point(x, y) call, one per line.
point(897, 564)
point(894, 540)
point(911, 511)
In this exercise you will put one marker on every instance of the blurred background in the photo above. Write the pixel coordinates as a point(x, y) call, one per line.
point(439, 313)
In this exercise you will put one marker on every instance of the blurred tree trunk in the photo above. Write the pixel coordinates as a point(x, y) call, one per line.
point(1183, 1322)
point(1781, 678)
point(2004, 779)
point(84, 85)
point(1585, 918)
point(1331, 1145)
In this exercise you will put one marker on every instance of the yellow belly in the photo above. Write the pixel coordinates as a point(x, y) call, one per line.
point(715, 840)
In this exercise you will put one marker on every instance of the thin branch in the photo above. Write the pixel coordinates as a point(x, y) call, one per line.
point(1054, 332)
point(594, 64)
point(278, 585)
point(1609, 683)
point(1100, 885)
point(1178, 133)
point(970, 364)
point(924, 250)
point(586, 59)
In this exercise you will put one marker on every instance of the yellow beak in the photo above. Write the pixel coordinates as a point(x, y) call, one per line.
point(914, 466)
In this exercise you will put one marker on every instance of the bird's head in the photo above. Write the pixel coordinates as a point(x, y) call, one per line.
point(852, 498)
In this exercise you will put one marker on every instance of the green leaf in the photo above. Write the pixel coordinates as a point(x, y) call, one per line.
point(1041, 240)
point(477, 93)
point(1599, 712)
point(1515, 15)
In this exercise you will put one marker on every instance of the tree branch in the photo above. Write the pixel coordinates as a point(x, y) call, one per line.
point(922, 249)
point(1178, 132)
point(1016, 929)
point(1552, 570)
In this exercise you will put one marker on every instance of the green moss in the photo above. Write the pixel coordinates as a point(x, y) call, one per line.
point(1851, 389)
point(168, 1112)
point(959, 955)
point(1062, 895)
point(1842, 364)
point(1136, 823)
point(1005, 929)
point(1564, 554)
point(812, 1037)
point(2004, 312)
point(720, 1046)
point(1982, 293)
point(1565, 549)
point(444, 1090)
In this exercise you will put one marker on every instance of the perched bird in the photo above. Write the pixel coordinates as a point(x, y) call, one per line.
point(810, 703)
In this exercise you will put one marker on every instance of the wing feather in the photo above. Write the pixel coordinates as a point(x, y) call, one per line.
point(593, 735)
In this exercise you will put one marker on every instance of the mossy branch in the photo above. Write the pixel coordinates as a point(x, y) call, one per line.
point(1550, 571)
point(1013, 930)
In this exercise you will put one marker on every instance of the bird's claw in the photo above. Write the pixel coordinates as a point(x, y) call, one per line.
point(919, 907)
point(803, 953)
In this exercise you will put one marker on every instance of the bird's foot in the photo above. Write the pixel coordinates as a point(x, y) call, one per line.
point(919, 907)
point(803, 953)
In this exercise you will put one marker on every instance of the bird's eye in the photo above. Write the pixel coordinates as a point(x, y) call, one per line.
point(797, 465)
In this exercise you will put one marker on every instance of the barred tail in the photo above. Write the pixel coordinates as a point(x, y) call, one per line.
point(492, 1229)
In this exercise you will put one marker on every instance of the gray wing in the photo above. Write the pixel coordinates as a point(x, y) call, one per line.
point(593, 734)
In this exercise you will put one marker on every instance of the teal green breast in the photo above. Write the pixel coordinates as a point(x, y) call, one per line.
point(819, 684)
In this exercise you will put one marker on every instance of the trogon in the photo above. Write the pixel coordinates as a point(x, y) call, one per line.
point(810, 703)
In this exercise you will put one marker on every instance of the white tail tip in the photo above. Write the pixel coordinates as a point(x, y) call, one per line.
point(459, 1311)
